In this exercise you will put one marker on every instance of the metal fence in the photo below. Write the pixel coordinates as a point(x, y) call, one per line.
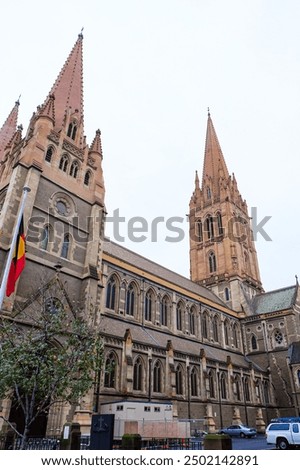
point(155, 435)
point(53, 443)
point(33, 443)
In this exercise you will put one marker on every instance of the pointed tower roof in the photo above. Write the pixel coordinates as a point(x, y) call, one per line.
point(9, 128)
point(197, 180)
point(68, 87)
point(214, 165)
point(96, 144)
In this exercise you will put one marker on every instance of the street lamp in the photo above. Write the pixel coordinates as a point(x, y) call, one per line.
point(245, 404)
point(188, 386)
point(150, 374)
point(220, 399)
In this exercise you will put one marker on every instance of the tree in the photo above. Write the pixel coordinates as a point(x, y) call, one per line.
point(49, 353)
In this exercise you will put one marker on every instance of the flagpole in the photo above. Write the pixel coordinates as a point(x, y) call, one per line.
point(26, 190)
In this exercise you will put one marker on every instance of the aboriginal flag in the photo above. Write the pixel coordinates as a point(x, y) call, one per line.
point(18, 261)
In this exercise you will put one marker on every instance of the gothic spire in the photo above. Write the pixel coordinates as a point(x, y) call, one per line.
point(68, 87)
point(197, 180)
point(214, 165)
point(9, 128)
point(96, 145)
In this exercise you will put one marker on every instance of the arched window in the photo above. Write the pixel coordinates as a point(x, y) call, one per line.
point(219, 224)
point(227, 294)
point(253, 342)
point(199, 231)
point(215, 325)
point(45, 238)
point(223, 389)
point(194, 382)
point(149, 305)
point(157, 377)
point(209, 227)
point(74, 169)
point(246, 389)
point(87, 178)
point(164, 310)
point(226, 332)
point(258, 389)
point(111, 293)
point(72, 129)
point(49, 154)
point(110, 371)
point(65, 246)
point(63, 163)
point(179, 315)
point(179, 380)
point(138, 375)
point(235, 335)
point(208, 192)
point(211, 384)
point(130, 299)
point(204, 325)
point(192, 316)
point(266, 391)
point(237, 388)
point(278, 337)
point(212, 262)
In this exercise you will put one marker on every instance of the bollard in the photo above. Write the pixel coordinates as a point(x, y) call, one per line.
point(71, 437)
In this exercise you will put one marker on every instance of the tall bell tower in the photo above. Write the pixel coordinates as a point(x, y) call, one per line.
point(222, 251)
point(64, 212)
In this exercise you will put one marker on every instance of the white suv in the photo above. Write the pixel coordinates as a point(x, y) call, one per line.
point(283, 434)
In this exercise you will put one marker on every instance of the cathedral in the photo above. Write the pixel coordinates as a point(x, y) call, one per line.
point(215, 346)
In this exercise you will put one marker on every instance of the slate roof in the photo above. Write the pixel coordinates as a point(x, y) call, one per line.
point(274, 301)
point(151, 267)
point(156, 338)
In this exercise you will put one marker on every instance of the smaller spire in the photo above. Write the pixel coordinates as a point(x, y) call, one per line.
point(197, 184)
point(9, 128)
point(48, 108)
point(96, 145)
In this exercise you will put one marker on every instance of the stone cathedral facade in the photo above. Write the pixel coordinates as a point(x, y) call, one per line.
point(215, 346)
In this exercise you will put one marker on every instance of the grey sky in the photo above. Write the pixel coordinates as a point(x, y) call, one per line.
point(151, 69)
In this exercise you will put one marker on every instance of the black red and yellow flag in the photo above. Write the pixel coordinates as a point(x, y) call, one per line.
point(18, 261)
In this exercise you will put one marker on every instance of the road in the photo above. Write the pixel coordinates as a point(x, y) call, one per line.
point(254, 443)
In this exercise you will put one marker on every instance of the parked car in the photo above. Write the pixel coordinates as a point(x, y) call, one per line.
point(284, 434)
point(239, 430)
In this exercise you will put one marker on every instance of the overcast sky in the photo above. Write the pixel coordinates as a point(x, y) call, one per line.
point(151, 70)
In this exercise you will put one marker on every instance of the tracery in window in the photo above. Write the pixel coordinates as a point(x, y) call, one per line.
point(212, 262)
point(110, 371)
point(63, 163)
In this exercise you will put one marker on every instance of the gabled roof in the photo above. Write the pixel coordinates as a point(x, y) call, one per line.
point(274, 301)
point(151, 267)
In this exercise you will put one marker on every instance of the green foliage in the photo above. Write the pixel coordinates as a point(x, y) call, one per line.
point(131, 441)
point(47, 355)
